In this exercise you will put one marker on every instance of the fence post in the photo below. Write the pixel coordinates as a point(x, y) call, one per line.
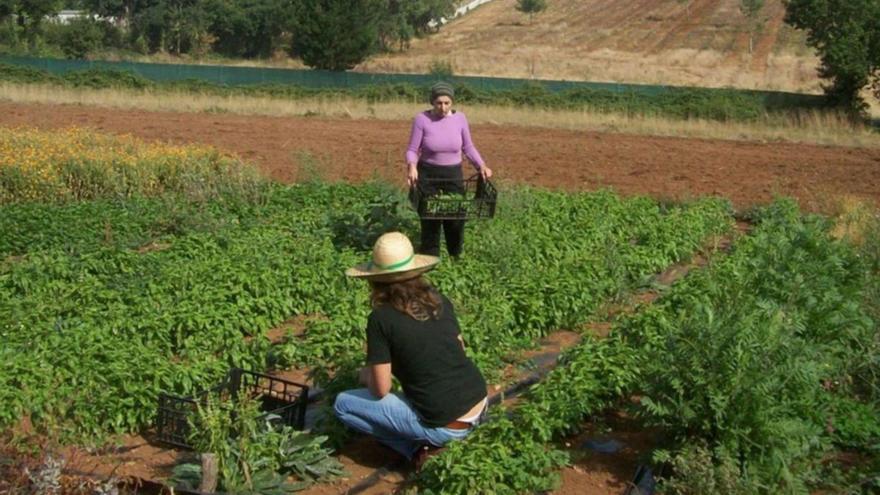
point(209, 473)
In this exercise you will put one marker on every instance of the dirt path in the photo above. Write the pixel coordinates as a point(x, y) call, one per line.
point(669, 168)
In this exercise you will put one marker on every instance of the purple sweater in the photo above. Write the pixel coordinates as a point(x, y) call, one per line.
point(440, 140)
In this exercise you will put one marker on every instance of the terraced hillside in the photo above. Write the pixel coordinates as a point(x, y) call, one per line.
point(679, 42)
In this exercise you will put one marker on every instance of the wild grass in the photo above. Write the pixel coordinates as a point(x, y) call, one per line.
point(855, 219)
point(814, 127)
point(77, 164)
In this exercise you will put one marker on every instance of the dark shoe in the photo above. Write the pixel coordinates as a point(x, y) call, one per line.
point(424, 453)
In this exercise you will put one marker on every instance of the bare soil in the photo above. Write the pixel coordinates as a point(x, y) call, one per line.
point(291, 149)
point(605, 473)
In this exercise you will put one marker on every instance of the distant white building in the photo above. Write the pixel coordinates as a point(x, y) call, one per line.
point(65, 16)
point(461, 10)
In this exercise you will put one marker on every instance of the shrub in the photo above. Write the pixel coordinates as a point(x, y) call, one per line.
point(756, 355)
point(697, 470)
point(99, 77)
point(80, 37)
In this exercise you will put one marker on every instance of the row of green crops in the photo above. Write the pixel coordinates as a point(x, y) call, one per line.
point(104, 304)
point(764, 361)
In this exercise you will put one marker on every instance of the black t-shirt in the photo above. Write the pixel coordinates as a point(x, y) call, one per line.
point(440, 381)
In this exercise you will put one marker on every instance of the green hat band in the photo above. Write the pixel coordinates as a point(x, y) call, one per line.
point(392, 266)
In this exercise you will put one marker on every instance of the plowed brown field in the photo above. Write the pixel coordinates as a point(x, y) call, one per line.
point(668, 168)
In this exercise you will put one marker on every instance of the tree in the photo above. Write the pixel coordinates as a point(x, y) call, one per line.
point(80, 37)
point(248, 28)
point(751, 9)
point(846, 34)
point(424, 14)
point(185, 22)
point(402, 20)
point(531, 7)
point(336, 34)
point(31, 14)
point(177, 26)
point(7, 8)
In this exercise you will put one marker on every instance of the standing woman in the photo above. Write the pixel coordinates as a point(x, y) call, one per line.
point(413, 335)
point(436, 141)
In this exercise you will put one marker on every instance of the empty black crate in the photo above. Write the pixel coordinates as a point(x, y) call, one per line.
point(442, 199)
point(278, 397)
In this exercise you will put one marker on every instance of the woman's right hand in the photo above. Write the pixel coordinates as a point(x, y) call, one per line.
point(412, 174)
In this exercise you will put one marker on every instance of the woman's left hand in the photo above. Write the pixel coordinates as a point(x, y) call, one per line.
point(485, 172)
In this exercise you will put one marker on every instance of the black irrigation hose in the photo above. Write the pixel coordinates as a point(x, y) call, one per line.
point(545, 363)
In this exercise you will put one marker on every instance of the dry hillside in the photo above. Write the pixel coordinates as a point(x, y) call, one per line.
point(695, 42)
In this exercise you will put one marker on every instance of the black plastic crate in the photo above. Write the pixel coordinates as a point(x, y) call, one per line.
point(285, 400)
point(445, 199)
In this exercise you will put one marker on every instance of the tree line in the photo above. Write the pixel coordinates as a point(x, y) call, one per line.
point(326, 34)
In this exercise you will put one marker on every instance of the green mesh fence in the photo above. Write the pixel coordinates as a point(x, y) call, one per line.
point(237, 76)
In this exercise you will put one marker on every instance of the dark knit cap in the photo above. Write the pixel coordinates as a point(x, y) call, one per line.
point(442, 89)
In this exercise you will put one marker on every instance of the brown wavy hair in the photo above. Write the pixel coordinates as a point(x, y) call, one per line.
point(414, 297)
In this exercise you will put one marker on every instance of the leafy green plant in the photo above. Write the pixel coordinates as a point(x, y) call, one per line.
point(496, 458)
point(387, 212)
point(698, 470)
point(441, 69)
point(755, 356)
point(514, 455)
point(255, 456)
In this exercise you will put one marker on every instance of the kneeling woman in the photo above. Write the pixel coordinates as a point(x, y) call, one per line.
point(412, 334)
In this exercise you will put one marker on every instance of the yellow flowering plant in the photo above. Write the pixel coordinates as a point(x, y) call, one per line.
point(79, 164)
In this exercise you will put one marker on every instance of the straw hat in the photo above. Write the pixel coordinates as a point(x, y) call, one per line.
point(393, 261)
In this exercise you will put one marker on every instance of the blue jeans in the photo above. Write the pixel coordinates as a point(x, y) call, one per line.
point(392, 420)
